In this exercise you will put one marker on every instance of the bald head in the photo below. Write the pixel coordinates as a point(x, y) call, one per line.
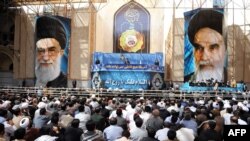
point(156, 113)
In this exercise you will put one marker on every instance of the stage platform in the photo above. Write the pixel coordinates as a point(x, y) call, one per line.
point(190, 88)
point(127, 71)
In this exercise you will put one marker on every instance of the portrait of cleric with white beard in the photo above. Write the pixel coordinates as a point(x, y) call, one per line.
point(205, 34)
point(51, 41)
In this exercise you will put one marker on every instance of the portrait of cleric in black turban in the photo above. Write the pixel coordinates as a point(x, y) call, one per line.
point(52, 41)
point(205, 49)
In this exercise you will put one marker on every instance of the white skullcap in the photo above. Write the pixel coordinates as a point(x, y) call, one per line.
point(73, 97)
point(161, 104)
point(219, 98)
point(192, 108)
point(88, 100)
point(141, 98)
point(41, 105)
point(93, 96)
point(57, 102)
point(94, 104)
point(227, 105)
point(44, 99)
point(244, 108)
point(234, 99)
point(24, 105)
point(5, 104)
point(245, 102)
point(226, 101)
point(240, 104)
point(15, 107)
point(201, 102)
point(24, 123)
point(30, 97)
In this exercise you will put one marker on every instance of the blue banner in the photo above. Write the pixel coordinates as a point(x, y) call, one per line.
point(130, 71)
point(125, 80)
point(124, 67)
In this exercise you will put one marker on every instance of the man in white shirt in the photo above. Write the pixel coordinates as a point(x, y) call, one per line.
point(83, 117)
point(113, 131)
point(137, 132)
point(162, 133)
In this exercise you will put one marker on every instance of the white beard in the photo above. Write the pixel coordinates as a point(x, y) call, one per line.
point(216, 74)
point(46, 74)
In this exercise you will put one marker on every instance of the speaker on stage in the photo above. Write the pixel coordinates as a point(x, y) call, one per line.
point(157, 63)
point(97, 61)
point(127, 62)
point(124, 59)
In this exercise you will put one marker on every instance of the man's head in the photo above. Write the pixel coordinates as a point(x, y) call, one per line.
point(205, 34)
point(51, 40)
point(209, 49)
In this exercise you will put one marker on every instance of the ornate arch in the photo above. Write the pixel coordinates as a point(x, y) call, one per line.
point(8, 60)
point(131, 29)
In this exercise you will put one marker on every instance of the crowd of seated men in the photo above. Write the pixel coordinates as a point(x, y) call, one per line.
point(28, 117)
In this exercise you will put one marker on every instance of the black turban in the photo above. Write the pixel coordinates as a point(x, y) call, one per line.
point(51, 27)
point(205, 18)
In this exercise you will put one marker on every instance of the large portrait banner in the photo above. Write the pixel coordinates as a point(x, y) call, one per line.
point(52, 46)
point(205, 56)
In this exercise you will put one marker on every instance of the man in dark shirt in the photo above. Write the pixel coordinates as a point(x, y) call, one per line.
point(73, 133)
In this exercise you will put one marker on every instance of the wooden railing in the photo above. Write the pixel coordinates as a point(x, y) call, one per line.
point(86, 92)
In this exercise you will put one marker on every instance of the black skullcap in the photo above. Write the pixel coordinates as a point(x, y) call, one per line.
point(51, 27)
point(205, 18)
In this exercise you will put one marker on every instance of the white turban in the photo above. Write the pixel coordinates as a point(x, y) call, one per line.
point(24, 123)
point(44, 99)
point(41, 105)
point(24, 105)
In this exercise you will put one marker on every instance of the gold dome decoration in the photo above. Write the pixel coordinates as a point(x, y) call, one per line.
point(131, 41)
